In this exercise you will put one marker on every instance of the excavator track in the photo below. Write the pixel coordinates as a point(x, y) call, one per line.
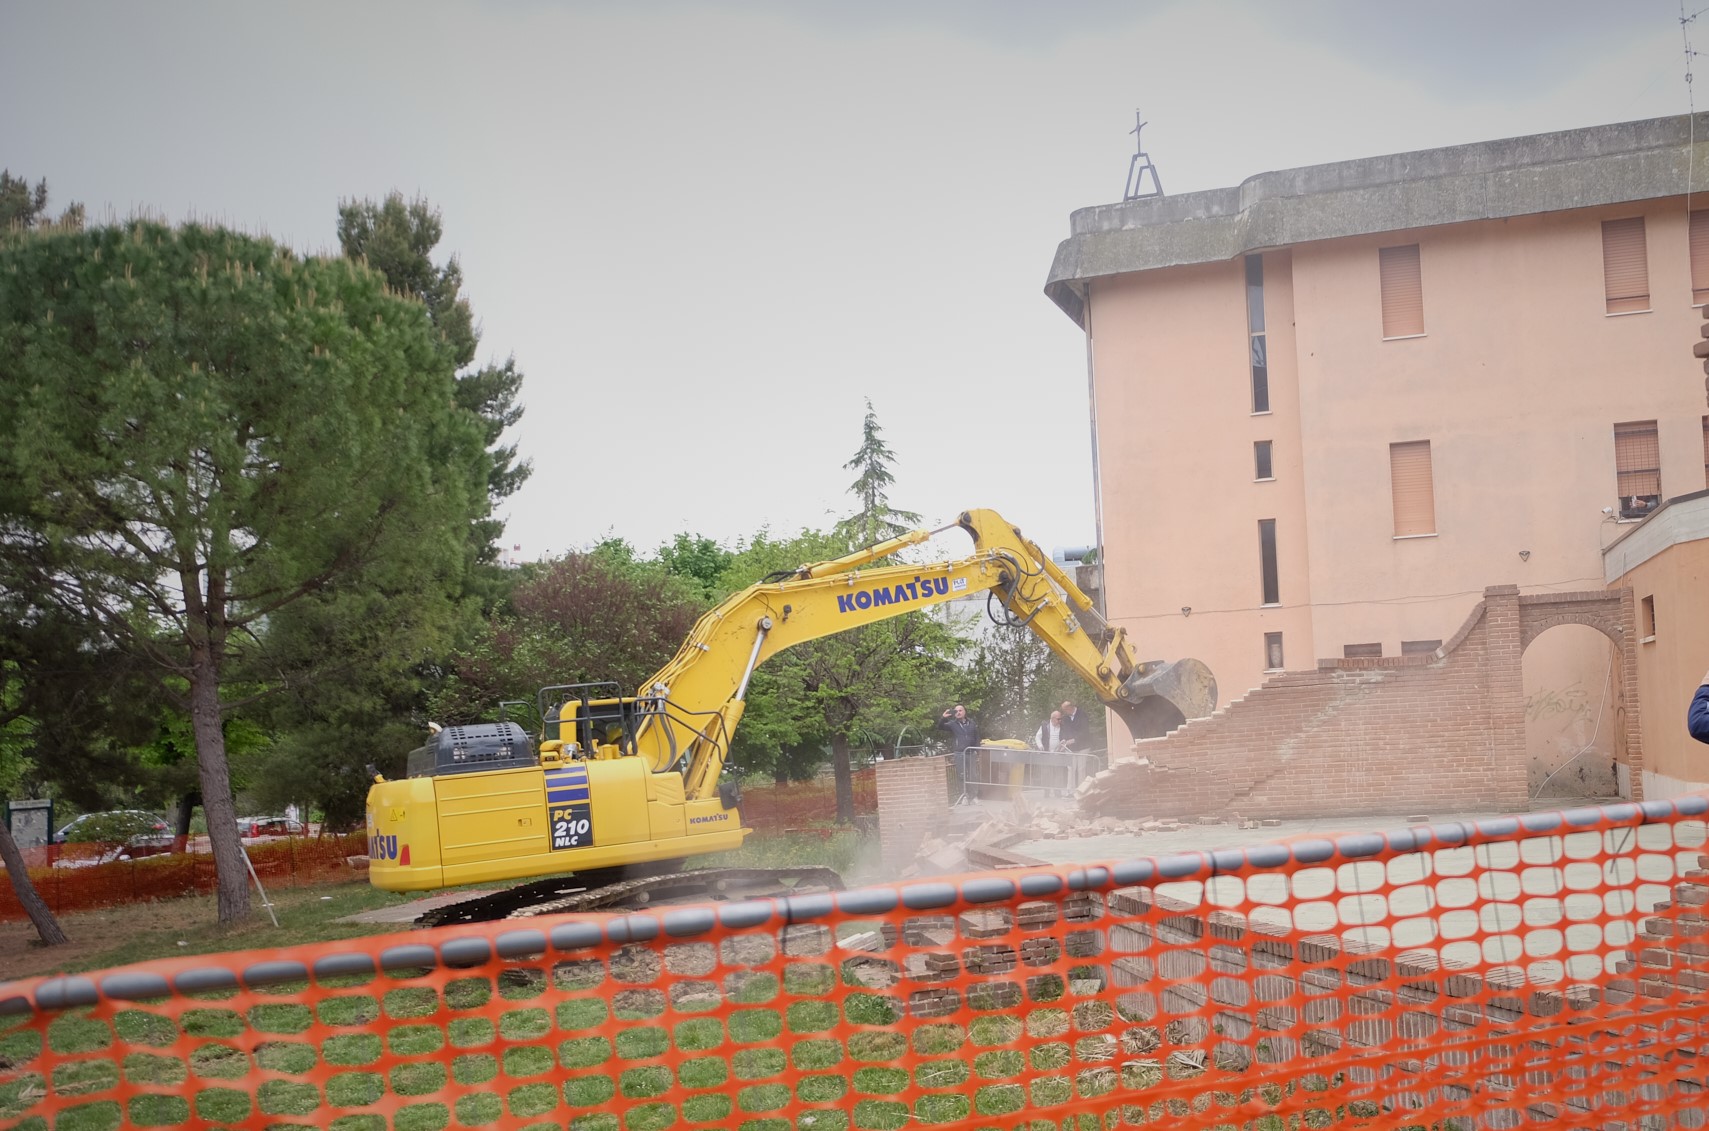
point(604, 891)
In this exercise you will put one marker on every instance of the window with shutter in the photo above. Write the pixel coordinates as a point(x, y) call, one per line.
point(1700, 257)
point(1706, 451)
point(1625, 266)
point(1637, 467)
point(1403, 292)
point(1414, 488)
point(1362, 651)
point(1419, 647)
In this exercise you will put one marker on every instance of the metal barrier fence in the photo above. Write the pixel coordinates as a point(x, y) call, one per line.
point(1547, 968)
point(1002, 771)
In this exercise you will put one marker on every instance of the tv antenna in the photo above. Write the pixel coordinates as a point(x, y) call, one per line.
point(1139, 167)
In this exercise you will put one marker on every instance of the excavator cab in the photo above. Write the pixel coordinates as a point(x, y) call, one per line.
point(596, 717)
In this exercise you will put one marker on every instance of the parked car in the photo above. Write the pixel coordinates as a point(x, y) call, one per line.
point(250, 828)
point(128, 832)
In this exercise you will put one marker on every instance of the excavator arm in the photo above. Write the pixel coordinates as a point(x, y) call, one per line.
point(688, 710)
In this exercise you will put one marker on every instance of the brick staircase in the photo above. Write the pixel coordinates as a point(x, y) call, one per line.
point(1671, 951)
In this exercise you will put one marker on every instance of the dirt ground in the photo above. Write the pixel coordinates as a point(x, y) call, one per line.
point(95, 933)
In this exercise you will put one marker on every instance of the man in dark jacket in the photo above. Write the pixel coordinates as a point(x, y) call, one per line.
point(1697, 718)
point(963, 732)
point(1073, 727)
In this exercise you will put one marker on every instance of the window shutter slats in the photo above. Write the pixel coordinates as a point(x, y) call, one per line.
point(1700, 257)
point(1625, 265)
point(1403, 291)
point(1638, 458)
point(1414, 488)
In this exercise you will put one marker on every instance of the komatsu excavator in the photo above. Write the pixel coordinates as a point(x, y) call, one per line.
point(621, 788)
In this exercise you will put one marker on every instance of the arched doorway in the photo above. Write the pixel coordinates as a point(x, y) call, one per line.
point(1572, 676)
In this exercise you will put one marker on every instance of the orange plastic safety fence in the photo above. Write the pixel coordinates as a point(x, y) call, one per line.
point(1546, 968)
point(802, 806)
point(86, 876)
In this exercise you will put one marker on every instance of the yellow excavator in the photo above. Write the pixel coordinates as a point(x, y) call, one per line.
point(621, 788)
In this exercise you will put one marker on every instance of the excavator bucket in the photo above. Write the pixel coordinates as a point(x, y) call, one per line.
point(1161, 696)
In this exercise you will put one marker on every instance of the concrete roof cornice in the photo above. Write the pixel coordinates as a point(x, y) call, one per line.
point(1683, 518)
point(1486, 180)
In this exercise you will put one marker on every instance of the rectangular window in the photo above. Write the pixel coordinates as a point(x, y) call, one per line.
point(1637, 467)
point(1403, 291)
point(1706, 451)
point(1273, 651)
point(1625, 266)
point(1362, 651)
point(1699, 257)
point(1419, 647)
point(1649, 629)
point(1261, 468)
point(1267, 561)
point(1414, 488)
point(1255, 333)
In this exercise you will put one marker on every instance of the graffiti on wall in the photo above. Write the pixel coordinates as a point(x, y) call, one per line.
point(1569, 741)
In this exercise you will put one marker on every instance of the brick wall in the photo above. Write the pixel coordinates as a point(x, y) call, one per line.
point(913, 799)
point(1396, 735)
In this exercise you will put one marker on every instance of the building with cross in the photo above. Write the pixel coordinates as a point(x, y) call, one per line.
point(1333, 406)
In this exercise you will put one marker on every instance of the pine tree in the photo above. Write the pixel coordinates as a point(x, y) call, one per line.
point(22, 206)
point(877, 519)
point(397, 238)
point(201, 432)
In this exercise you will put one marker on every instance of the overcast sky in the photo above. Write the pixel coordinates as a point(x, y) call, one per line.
point(709, 231)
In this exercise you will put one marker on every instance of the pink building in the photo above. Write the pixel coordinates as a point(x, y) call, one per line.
point(1332, 406)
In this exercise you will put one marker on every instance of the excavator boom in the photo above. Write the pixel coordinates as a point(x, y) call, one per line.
point(712, 668)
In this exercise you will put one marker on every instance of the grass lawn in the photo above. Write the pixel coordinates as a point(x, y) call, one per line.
point(751, 1037)
point(118, 936)
point(137, 932)
point(478, 1048)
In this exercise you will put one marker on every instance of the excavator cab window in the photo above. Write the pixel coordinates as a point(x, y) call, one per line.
point(595, 716)
point(605, 726)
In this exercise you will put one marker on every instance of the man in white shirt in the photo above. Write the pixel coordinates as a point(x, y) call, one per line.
point(1049, 735)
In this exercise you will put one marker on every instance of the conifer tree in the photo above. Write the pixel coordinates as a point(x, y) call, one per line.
point(200, 432)
point(876, 519)
point(397, 238)
point(24, 206)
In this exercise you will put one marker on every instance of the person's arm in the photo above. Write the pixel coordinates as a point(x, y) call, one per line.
point(1697, 718)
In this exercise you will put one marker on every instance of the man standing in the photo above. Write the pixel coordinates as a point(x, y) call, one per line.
point(963, 732)
point(1073, 726)
point(1697, 717)
point(1049, 735)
